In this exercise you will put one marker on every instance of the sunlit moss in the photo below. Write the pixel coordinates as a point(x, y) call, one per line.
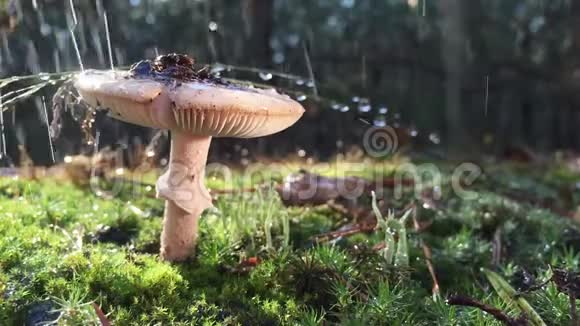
point(55, 253)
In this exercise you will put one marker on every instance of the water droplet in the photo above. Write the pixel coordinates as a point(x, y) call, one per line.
point(364, 106)
point(347, 3)
point(265, 75)
point(299, 82)
point(344, 108)
point(301, 97)
point(434, 138)
point(293, 39)
point(380, 122)
point(150, 19)
point(335, 106)
point(355, 99)
point(301, 153)
point(413, 132)
point(310, 84)
point(217, 68)
point(383, 110)
point(213, 26)
point(278, 57)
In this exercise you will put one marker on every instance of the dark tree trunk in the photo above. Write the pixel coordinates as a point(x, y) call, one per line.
point(258, 19)
point(452, 52)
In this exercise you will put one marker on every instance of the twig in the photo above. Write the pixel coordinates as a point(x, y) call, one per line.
point(102, 317)
point(461, 300)
point(343, 233)
point(428, 254)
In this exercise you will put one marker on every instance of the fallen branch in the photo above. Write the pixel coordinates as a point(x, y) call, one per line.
point(461, 300)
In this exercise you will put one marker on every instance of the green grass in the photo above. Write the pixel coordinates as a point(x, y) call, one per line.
point(56, 258)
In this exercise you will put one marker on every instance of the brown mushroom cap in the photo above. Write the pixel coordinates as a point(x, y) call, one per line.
point(196, 107)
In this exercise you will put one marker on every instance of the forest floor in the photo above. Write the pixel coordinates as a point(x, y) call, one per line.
point(72, 255)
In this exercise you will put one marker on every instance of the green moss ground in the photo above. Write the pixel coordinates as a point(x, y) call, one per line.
point(57, 257)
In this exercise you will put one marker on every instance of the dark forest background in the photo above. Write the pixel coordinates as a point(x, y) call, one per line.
point(454, 76)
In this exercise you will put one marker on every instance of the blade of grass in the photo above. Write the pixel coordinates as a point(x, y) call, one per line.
point(402, 254)
point(510, 296)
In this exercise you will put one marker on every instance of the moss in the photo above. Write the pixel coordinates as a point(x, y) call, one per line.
point(52, 257)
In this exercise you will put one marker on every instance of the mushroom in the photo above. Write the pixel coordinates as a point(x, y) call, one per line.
point(169, 93)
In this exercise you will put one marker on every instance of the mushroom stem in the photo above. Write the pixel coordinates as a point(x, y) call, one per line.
point(182, 186)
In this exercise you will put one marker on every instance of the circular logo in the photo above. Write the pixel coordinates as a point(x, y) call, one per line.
point(380, 141)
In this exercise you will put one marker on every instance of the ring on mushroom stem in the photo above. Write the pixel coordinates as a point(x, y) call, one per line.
point(170, 94)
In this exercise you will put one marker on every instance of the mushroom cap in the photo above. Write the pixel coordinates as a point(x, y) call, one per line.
point(200, 108)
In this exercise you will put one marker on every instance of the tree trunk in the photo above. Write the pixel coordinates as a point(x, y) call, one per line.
point(452, 52)
point(258, 20)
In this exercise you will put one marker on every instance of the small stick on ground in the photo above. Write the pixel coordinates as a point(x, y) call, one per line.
point(343, 233)
point(461, 300)
point(435, 290)
point(102, 317)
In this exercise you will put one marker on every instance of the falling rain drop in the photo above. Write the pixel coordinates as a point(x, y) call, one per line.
point(355, 99)
point(76, 46)
point(413, 132)
point(265, 75)
point(344, 108)
point(2, 133)
point(48, 129)
point(109, 47)
point(74, 14)
point(299, 82)
point(383, 110)
point(301, 97)
point(335, 106)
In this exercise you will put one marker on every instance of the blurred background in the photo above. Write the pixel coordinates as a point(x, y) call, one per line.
point(455, 78)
